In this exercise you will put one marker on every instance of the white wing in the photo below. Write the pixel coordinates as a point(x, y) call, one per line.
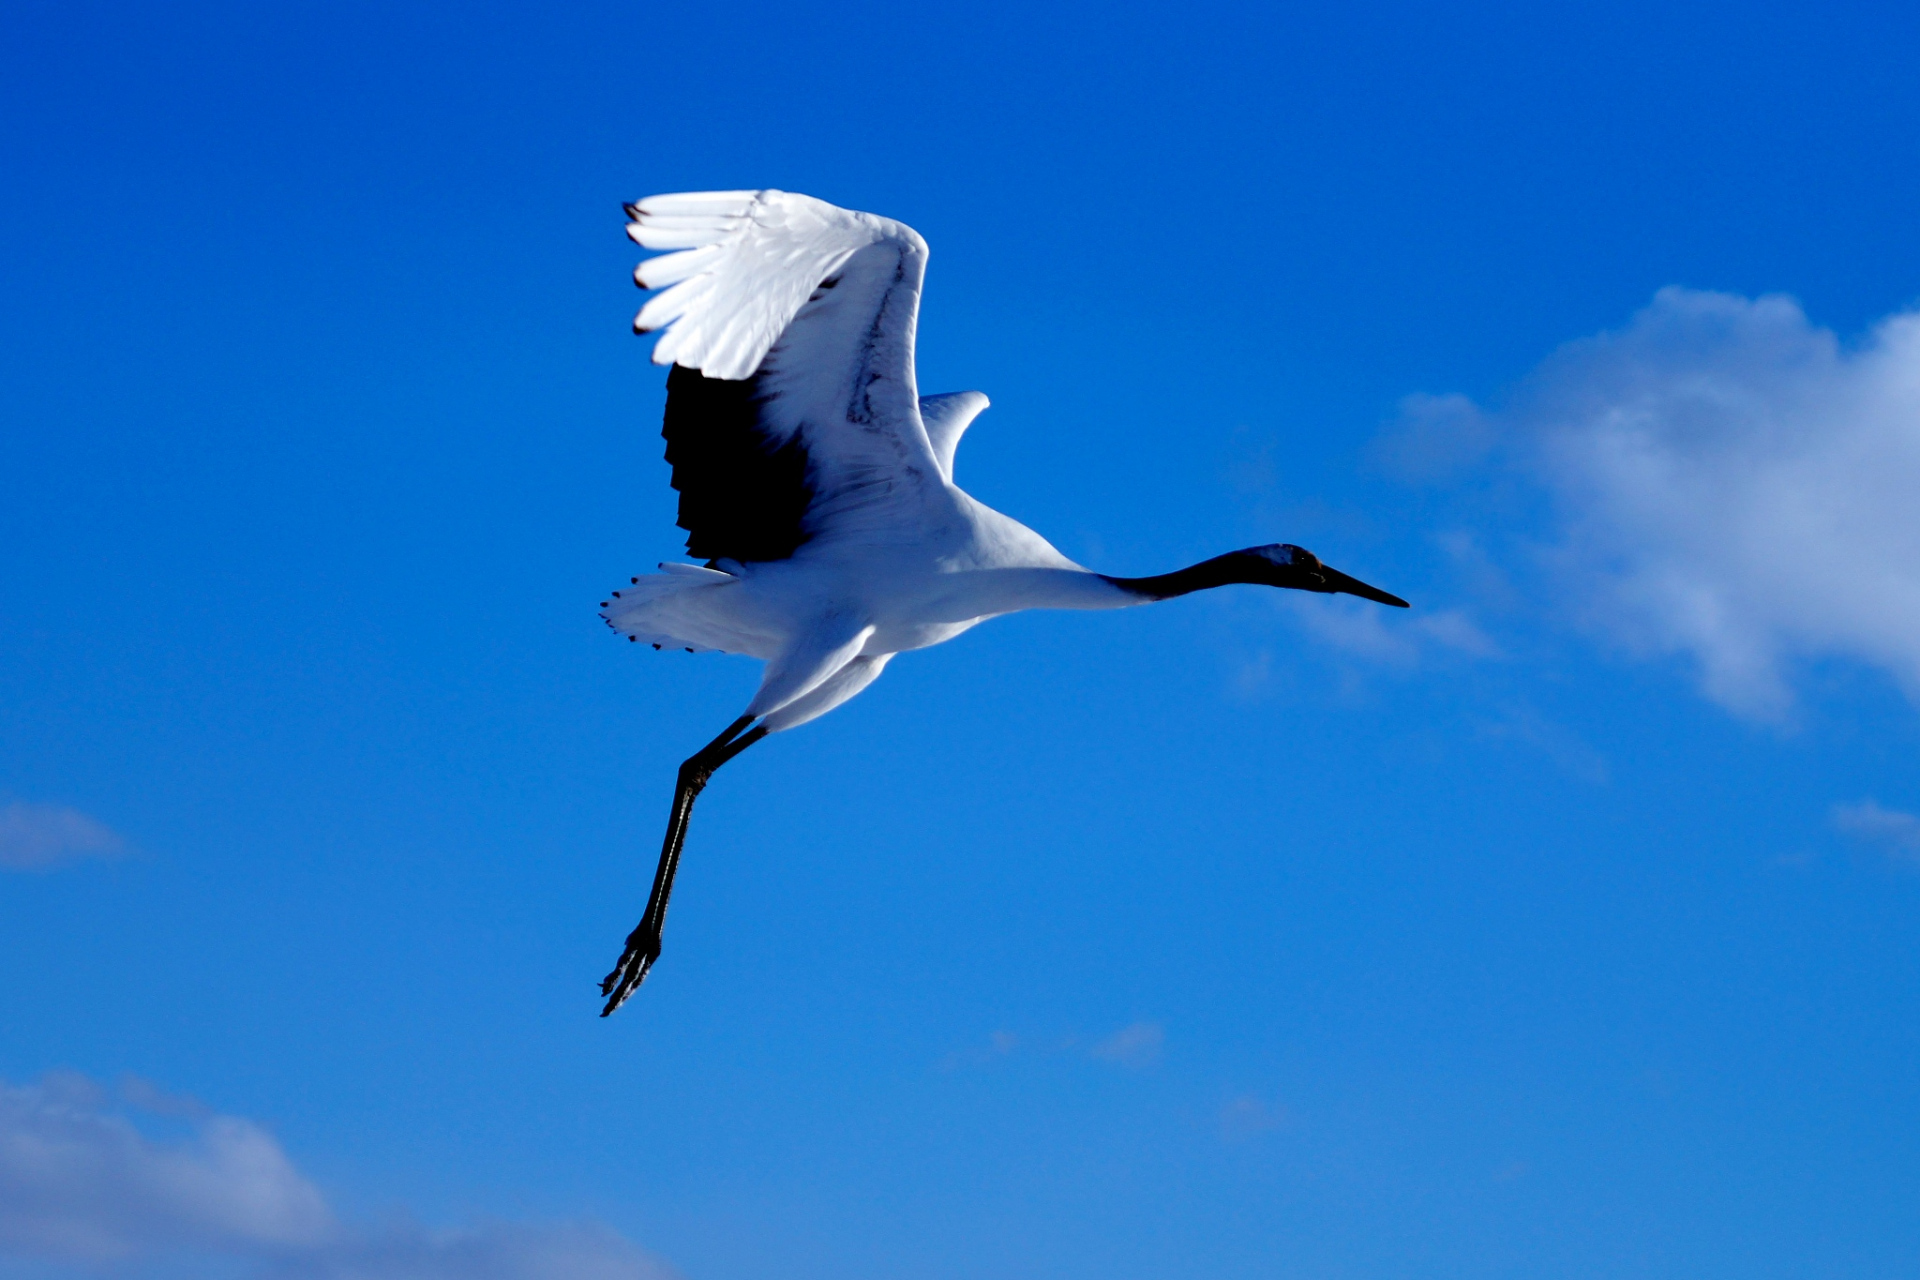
point(817, 306)
point(748, 262)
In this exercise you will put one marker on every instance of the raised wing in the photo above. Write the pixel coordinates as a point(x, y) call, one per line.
point(947, 418)
point(792, 413)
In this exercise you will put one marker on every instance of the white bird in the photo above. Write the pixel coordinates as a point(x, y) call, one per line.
point(816, 482)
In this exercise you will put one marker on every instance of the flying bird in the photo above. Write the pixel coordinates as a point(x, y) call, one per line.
point(816, 482)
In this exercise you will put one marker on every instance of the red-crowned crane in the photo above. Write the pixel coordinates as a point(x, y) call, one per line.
point(816, 482)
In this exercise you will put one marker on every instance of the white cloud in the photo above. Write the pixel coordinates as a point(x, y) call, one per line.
point(1137, 1045)
point(1731, 483)
point(79, 1180)
point(36, 837)
point(83, 1182)
point(1896, 832)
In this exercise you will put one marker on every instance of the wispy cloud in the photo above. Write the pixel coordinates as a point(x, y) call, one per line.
point(1729, 482)
point(1389, 637)
point(1895, 832)
point(1248, 1116)
point(1137, 1045)
point(1524, 725)
point(489, 1251)
point(39, 837)
point(84, 1183)
point(1437, 438)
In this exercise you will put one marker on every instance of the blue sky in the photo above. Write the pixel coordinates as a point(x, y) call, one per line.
point(1565, 925)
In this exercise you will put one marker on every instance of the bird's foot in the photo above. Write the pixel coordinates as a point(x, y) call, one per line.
point(643, 948)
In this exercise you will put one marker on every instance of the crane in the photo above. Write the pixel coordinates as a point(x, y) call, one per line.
point(816, 482)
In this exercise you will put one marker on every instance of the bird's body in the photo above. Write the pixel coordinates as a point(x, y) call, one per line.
point(977, 564)
point(817, 484)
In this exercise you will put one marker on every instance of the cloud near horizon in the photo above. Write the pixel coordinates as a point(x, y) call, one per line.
point(84, 1186)
point(39, 837)
point(1728, 482)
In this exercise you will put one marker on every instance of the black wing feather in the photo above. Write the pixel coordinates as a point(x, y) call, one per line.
point(742, 494)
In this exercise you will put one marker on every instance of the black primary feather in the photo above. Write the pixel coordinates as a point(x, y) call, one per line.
point(742, 496)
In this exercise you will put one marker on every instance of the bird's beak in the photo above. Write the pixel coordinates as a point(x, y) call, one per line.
point(1340, 583)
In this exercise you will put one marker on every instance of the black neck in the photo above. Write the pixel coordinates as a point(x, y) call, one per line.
point(1217, 572)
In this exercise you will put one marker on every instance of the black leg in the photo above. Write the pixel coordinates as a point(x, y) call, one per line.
point(643, 944)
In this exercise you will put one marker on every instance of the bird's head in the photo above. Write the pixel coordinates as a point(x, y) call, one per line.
point(1284, 565)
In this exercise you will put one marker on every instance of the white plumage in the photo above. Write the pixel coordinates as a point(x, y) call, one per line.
point(817, 483)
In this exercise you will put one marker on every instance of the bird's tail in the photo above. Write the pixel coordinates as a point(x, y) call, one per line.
point(671, 609)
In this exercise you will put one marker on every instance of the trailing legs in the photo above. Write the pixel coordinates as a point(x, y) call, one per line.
point(643, 944)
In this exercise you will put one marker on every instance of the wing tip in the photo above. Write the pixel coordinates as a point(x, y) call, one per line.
point(724, 204)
